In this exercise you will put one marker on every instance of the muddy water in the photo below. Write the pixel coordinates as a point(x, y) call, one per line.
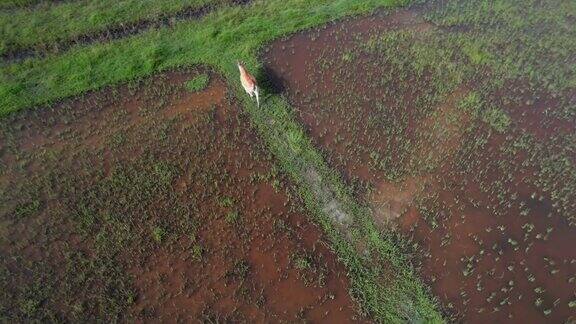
point(222, 241)
point(490, 260)
point(490, 244)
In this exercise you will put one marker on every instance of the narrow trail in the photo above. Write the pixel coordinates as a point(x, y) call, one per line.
point(356, 224)
point(114, 33)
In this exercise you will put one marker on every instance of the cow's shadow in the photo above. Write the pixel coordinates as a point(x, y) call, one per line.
point(271, 82)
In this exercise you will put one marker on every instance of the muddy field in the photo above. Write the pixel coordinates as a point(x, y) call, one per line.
point(486, 195)
point(151, 202)
point(435, 142)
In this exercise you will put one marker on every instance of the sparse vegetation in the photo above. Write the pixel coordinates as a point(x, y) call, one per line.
point(143, 221)
point(442, 138)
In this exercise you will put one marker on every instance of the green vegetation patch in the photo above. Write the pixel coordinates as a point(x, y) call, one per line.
point(525, 50)
point(13, 4)
point(219, 39)
point(496, 118)
point(198, 83)
point(529, 39)
point(48, 24)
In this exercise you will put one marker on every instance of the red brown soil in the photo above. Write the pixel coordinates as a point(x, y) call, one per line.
point(450, 211)
point(252, 254)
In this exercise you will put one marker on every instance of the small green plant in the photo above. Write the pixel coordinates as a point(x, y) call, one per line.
point(198, 83)
point(226, 202)
point(117, 139)
point(197, 252)
point(496, 118)
point(471, 103)
point(232, 217)
point(475, 54)
point(239, 270)
point(158, 234)
point(27, 209)
point(164, 172)
point(302, 263)
point(348, 56)
point(29, 306)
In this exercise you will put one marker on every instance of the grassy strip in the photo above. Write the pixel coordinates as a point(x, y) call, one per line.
point(390, 296)
point(44, 26)
point(218, 39)
point(381, 279)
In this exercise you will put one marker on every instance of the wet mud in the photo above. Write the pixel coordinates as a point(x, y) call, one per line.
point(491, 244)
point(149, 202)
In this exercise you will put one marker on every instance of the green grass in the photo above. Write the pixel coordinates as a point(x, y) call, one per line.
point(232, 33)
point(106, 227)
point(25, 28)
point(218, 39)
point(158, 234)
point(496, 118)
point(529, 39)
point(536, 61)
point(198, 83)
point(232, 217)
point(13, 4)
point(394, 298)
point(238, 33)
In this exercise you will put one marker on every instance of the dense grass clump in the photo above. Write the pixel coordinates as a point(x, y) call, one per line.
point(12, 4)
point(198, 83)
